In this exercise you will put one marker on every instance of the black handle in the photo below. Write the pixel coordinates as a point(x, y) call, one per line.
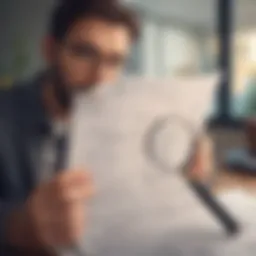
point(230, 224)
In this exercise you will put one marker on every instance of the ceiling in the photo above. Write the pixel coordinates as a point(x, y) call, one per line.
point(199, 13)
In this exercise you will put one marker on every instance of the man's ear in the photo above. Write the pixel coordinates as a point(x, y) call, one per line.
point(49, 49)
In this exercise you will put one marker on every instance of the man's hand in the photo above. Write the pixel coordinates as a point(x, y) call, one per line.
point(202, 164)
point(56, 210)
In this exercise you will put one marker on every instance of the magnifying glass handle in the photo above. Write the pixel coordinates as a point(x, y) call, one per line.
point(230, 224)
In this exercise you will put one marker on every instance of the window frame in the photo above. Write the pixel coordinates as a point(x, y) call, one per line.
point(225, 11)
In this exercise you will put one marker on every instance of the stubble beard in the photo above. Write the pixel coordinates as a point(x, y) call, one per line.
point(62, 93)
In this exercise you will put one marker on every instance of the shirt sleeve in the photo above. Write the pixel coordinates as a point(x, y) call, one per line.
point(6, 208)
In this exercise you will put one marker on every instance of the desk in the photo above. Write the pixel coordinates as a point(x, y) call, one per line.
point(232, 180)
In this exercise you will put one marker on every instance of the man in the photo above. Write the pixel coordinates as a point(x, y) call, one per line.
point(87, 44)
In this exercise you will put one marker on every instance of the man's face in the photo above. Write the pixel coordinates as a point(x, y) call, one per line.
point(93, 52)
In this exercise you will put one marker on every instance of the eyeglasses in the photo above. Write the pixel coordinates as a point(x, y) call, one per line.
point(91, 54)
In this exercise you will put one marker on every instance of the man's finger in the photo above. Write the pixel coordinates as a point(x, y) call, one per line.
point(78, 175)
point(74, 192)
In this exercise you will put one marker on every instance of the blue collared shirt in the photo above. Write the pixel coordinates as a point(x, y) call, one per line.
point(23, 127)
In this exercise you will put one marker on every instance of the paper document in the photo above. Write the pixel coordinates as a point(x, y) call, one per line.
point(242, 205)
point(143, 207)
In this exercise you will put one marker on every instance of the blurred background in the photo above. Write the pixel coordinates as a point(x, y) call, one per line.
point(179, 36)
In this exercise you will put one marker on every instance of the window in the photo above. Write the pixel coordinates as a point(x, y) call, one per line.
point(238, 96)
point(177, 38)
point(244, 60)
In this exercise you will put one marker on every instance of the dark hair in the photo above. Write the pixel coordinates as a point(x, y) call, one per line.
point(68, 12)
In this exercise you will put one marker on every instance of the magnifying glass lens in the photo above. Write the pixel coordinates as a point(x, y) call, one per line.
point(169, 143)
point(173, 144)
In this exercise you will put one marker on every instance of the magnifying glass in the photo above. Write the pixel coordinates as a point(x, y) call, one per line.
point(175, 130)
point(159, 139)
